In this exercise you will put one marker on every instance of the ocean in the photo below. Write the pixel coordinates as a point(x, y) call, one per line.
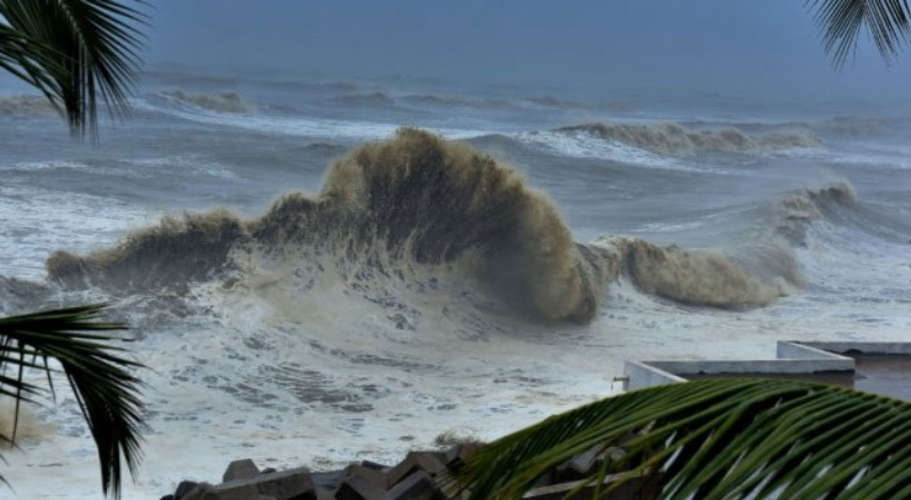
point(322, 270)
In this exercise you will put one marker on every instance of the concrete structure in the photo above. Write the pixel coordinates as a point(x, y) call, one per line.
point(792, 358)
point(866, 348)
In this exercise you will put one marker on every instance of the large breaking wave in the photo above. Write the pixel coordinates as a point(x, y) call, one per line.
point(418, 201)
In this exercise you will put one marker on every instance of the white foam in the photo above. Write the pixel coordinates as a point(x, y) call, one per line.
point(39, 221)
point(302, 126)
point(583, 145)
point(419, 382)
point(480, 388)
point(194, 164)
point(887, 156)
point(517, 375)
point(76, 166)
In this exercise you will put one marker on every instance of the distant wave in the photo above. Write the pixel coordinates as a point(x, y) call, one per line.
point(222, 102)
point(186, 76)
point(176, 73)
point(617, 106)
point(844, 126)
point(674, 139)
point(456, 101)
point(61, 167)
point(384, 99)
point(26, 106)
point(338, 85)
point(344, 86)
point(323, 148)
point(416, 200)
point(855, 126)
point(285, 123)
point(554, 102)
point(371, 99)
point(584, 145)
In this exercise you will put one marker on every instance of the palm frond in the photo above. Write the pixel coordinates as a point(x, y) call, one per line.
point(718, 439)
point(16, 53)
point(841, 21)
point(75, 51)
point(107, 393)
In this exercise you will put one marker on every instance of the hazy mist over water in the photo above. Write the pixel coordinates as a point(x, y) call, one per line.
point(767, 49)
point(595, 182)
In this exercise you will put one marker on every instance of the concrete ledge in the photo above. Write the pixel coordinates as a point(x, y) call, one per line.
point(640, 374)
point(799, 350)
point(895, 348)
point(792, 358)
point(758, 366)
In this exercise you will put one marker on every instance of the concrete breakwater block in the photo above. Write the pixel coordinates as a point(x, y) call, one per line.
point(457, 455)
point(421, 475)
point(183, 488)
point(412, 478)
point(293, 484)
point(240, 469)
point(417, 486)
point(374, 465)
point(433, 463)
point(362, 483)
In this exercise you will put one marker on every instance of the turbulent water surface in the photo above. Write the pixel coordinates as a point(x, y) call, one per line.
point(317, 271)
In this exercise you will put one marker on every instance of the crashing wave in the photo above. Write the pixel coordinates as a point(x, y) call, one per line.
point(675, 139)
point(804, 206)
point(416, 200)
point(702, 278)
point(222, 102)
point(25, 105)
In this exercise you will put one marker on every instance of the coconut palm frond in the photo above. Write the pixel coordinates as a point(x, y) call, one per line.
point(722, 438)
point(76, 52)
point(107, 393)
point(16, 54)
point(840, 21)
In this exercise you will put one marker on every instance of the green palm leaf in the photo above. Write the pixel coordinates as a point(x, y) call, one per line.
point(841, 21)
point(719, 439)
point(75, 51)
point(105, 389)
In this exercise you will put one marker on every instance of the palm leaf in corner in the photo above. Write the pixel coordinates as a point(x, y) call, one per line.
point(719, 439)
point(76, 52)
point(102, 384)
point(887, 22)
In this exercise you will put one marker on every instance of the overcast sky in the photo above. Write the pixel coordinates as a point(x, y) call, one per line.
point(727, 46)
